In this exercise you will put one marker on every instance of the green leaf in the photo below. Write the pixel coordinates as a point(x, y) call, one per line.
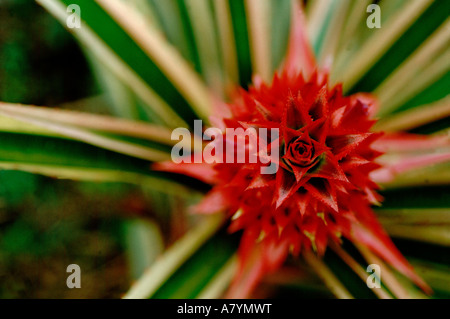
point(175, 23)
point(242, 42)
point(422, 68)
point(432, 262)
point(355, 285)
point(436, 275)
point(436, 91)
point(64, 158)
point(190, 280)
point(417, 197)
point(434, 127)
point(417, 117)
point(187, 268)
point(419, 31)
point(141, 57)
point(319, 17)
point(132, 138)
point(280, 30)
point(200, 14)
point(377, 42)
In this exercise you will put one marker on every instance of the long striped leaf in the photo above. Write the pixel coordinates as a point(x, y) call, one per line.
point(63, 158)
point(142, 58)
point(195, 266)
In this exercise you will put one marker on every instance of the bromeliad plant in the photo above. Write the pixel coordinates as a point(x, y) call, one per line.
point(263, 64)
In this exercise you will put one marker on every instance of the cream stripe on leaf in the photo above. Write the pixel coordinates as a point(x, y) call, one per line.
point(385, 43)
point(172, 70)
point(135, 59)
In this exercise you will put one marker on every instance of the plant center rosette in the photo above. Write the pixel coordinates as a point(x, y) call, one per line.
point(321, 191)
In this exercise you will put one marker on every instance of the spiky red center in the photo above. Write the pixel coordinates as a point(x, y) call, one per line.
point(322, 182)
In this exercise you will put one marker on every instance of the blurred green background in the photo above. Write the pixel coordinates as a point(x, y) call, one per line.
point(47, 224)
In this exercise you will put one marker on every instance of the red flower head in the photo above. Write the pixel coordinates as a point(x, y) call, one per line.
point(321, 191)
point(321, 187)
